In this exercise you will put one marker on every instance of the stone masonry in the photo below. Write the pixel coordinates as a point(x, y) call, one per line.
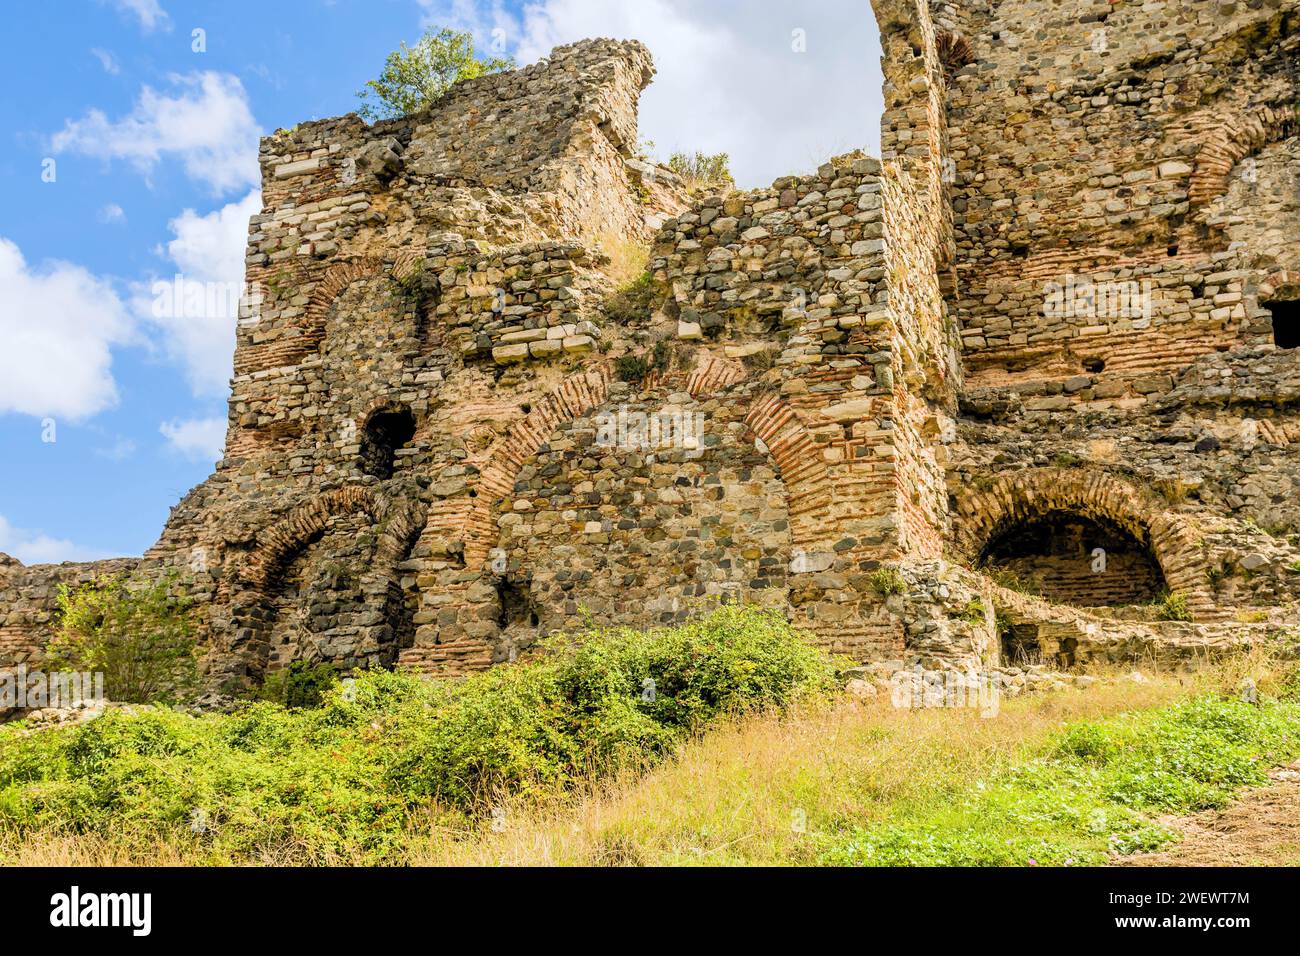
point(1027, 384)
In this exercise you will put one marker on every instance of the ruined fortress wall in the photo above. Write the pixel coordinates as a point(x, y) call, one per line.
point(473, 299)
point(1122, 186)
point(453, 431)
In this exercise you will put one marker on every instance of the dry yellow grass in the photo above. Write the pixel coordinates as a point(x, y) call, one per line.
point(64, 850)
point(739, 795)
point(628, 259)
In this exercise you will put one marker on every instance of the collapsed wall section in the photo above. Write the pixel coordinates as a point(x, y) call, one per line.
point(29, 602)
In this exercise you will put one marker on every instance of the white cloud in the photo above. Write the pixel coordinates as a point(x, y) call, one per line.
point(150, 14)
point(201, 439)
point(205, 122)
point(212, 246)
point(112, 213)
point(728, 77)
point(58, 325)
point(35, 547)
point(198, 331)
point(107, 61)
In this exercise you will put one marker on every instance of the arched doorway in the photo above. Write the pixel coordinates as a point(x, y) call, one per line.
point(324, 584)
point(1072, 558)
point(1040, 520)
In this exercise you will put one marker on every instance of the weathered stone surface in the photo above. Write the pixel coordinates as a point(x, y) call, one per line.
point(1040, 320)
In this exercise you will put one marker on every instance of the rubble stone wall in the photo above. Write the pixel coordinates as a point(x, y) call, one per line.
point(454, 426)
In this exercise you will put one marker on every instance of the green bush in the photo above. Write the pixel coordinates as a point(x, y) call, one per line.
point(1172, 607)
point(631, 368)
point(887, 581)
point(414, 77)
point(703, 172)
point(596, 705)
point(343, 781)
point(136, 633)
point(301, 684)
point(1087, 742)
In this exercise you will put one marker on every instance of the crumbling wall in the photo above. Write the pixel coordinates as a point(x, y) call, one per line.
point(1122, 217)
point(452, 430)
point(444, 266)
point(29, 599)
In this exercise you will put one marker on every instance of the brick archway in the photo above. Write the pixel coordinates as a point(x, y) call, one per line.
point(280, 539)
point(398, 522)
point(1026, 495)
point(803, 469)
point(332, 283)
point(575, 395)
point(469, 519)
point(770, 418)
point(1233, 140)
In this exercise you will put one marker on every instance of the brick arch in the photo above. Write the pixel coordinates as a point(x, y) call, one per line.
point(574, 396)
point(1284, 283)
point(955, 51)
point(713, 374)
point(788, 443)
point(291, 350)
point(803, 469)
point(1234, 139)
point(278, 541)
point(1021, 496)
point(399, 521)
point(770, 418)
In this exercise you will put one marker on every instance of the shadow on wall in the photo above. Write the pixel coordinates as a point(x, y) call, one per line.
point(1072, 559)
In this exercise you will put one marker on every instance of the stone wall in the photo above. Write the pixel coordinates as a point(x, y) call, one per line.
point(453, 428)
point(1101, 142)
point(1121, 201)
point(29, 601)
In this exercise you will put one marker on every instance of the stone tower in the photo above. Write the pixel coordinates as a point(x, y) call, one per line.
point(1025, 385)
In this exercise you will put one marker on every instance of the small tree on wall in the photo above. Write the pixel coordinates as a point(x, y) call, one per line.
point(136, 633)
point(414, 77)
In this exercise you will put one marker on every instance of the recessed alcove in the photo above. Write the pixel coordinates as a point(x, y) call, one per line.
point(1073, 559)
point(1286, 323)
point(385, 432)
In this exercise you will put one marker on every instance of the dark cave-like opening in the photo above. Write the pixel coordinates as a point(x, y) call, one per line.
point(1073, 559)
point(516, 605)
point(385, 432)
point(1286, 323)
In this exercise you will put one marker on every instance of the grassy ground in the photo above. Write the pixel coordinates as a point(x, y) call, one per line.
point(1070, 777)
point(806, 777)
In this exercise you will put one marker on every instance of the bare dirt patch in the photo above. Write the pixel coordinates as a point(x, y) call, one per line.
point(1262, 828)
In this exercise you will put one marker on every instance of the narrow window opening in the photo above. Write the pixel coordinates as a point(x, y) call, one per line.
point(385, 433)
point(1286, 323)
point(516, 605)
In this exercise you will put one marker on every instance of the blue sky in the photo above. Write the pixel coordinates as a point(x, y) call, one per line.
point(131, 158)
